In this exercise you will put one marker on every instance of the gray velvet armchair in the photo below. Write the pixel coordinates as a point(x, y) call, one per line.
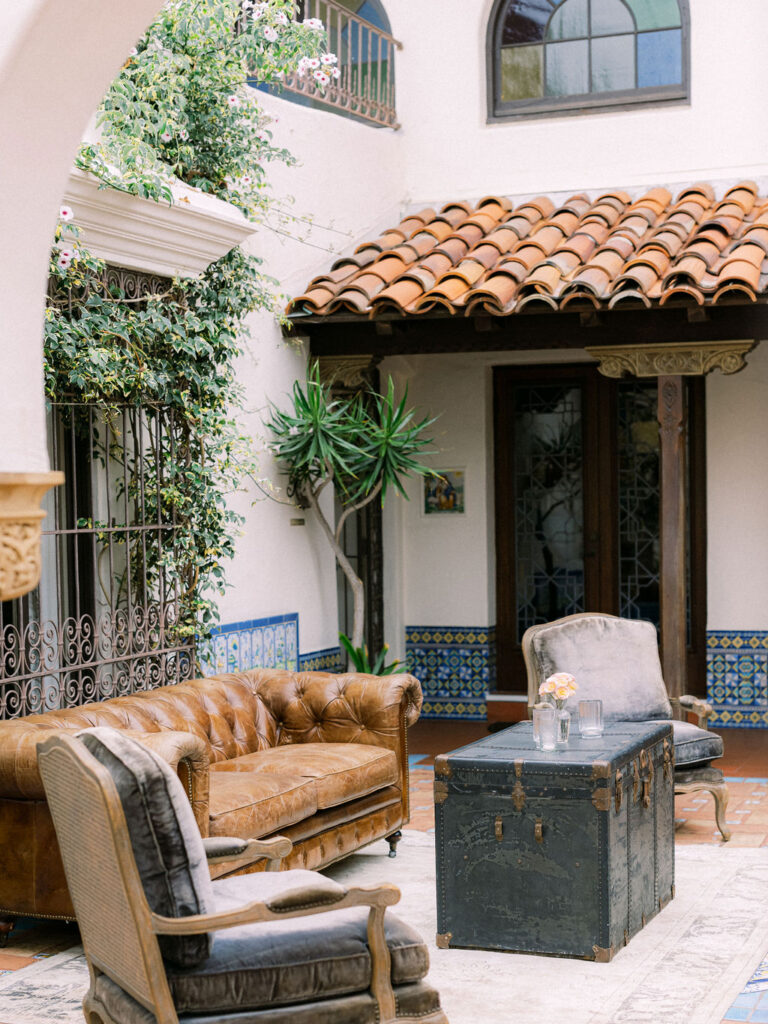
point(290, 946)
point(617, 661)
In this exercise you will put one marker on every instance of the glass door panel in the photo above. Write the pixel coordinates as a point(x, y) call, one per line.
point(549, 512)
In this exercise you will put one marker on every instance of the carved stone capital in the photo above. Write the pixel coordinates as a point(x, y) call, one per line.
point(352, 372)
point(20, 519)
point(686, 358)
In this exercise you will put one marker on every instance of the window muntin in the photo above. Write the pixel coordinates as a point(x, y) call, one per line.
point(575, 54)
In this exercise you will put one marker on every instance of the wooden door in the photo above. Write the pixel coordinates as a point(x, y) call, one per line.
point(577, 505)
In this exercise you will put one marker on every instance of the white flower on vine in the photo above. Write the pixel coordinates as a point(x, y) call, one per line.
point(313, 62)
point(233, 101)
point(270, 34)
point(66, 213)
point(166, 136)
point(65, 258)
point(328, 59)
point(281, 18)
point(246, 181)
point(183, 134)
point(321, 78)
point(258, 11)
point(262, 136)
point(133, 52)
point(314, 23)
point(335, 72)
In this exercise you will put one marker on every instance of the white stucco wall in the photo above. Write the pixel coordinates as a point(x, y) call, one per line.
point(76, 48)
point(737, 496)
point(442, 569)
point(452, 152)
point(350, 182)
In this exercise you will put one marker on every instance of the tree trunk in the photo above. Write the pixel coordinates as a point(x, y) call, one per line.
point(355, 583)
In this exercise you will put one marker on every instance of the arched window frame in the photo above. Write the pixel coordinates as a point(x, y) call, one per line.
point(584, 103)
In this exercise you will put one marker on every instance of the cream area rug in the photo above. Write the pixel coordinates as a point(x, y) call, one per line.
point(686, 967)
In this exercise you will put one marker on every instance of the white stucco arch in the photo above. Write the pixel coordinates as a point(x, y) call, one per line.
point(56, 60)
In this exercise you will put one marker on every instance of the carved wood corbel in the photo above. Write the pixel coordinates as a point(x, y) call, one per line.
point(687, 359)
point(20, 525)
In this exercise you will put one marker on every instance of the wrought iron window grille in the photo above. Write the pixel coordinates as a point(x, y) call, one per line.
point(105, 619)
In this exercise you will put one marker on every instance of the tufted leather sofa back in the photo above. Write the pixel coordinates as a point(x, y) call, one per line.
point(225, 712)
point(244, 712)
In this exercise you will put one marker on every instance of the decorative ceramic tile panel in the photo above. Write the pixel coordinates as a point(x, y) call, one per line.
point(257, 643)
point(331, 659)
point(737, 678)
point(456, 666)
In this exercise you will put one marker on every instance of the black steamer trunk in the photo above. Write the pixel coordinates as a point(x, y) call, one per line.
point(567, 853)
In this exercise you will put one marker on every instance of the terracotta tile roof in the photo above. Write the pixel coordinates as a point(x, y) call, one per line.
point(613, 252)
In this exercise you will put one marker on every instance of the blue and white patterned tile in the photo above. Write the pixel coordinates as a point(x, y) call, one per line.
point(455, 665)
point(258, 643)
point(257, 648)
point(292, 644)
point(220, 653)
point(246, 655)
point(279, 646)
point(233, 652)
point(737, 678)
point(269, 647)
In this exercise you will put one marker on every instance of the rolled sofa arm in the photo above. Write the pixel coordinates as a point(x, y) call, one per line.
point(184, 752)
point(313, 707)
point(697, 706)
point(187, 755)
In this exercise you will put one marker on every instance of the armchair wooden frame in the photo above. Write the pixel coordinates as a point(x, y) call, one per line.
point(118, 928)
point(687, 780)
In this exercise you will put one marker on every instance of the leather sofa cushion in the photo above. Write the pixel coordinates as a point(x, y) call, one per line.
point(694, 746)
point(292, 961)
point(341, 771)
point(250, 807)
point(166, 842)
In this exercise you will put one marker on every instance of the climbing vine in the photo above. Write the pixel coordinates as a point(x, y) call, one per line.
point(180, 110)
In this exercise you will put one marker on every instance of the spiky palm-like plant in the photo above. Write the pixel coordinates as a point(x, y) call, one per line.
point(365, 446)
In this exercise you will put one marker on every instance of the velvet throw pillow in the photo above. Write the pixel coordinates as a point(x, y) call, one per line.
point(164, 835)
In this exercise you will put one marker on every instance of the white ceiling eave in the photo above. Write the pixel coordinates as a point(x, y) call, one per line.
point(140, 234)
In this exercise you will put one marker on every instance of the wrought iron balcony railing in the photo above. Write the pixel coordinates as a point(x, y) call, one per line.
point(366, 53)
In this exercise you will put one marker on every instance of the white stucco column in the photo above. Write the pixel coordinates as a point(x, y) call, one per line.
point(56, 61)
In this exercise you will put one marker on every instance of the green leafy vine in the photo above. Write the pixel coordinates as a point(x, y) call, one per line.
point(179, 111)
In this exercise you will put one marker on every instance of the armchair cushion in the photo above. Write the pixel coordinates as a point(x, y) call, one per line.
point(413, 1001)
point(166, 841)
point(298, 960)
point(614, 660)
point(694, 745)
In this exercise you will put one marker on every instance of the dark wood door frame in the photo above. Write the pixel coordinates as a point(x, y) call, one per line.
point(600, 533)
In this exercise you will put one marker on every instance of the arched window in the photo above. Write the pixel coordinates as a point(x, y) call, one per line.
point(571, 55)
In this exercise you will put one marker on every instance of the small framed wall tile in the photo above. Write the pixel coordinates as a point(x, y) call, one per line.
point(445, 494)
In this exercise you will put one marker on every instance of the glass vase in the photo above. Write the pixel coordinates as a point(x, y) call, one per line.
point(562, 727)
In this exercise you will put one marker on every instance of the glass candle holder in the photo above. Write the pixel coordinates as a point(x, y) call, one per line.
point(544, 728)
point(591, 717)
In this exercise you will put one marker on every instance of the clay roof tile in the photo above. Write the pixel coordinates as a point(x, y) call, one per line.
point(399, 295)
point(501, 258)
point(485, 254)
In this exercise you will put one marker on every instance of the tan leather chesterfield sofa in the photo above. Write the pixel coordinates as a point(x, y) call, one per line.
point(319, 758)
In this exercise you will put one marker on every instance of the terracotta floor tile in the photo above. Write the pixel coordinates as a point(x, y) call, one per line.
point(12, 962)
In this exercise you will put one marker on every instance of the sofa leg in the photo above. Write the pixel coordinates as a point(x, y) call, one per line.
point(7, 925)
point(393, 840)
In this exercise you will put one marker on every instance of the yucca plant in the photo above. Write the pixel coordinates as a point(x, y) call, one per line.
point(359, 659)
point(365, 446)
